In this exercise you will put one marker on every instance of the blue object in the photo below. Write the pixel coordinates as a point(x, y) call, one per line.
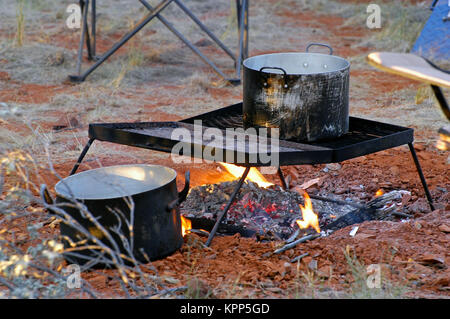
point(433, 42)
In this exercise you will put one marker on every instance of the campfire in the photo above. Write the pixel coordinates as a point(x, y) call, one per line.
point(310, 218)
point(251, 205)
point(267, 212)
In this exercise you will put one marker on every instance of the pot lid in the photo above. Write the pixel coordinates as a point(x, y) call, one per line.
point(115, 181)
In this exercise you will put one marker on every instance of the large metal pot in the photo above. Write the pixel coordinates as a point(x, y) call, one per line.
point(304, 95)
point(153, 190)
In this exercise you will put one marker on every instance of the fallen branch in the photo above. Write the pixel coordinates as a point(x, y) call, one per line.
point(293, 236)
point(295, 243)
point(308, 184)
point(298, 258)
point(387, 198)
point(199, 232)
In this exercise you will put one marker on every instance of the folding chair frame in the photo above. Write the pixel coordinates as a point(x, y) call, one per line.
point(89, 36)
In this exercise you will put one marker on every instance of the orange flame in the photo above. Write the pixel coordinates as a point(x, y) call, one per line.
point(186, 225)
point(379, 193)
point(253, 175)
point(309, 217)
point(444, 143)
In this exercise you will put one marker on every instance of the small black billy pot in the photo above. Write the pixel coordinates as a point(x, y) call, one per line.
point(145, 196)
point(304, 95)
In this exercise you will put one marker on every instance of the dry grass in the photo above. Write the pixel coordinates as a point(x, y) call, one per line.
point(20, 23)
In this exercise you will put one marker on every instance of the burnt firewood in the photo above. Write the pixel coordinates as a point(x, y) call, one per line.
point(295, 243)
point(377, 209)
point(298, 258)
point(225, 229)
point(354, 217)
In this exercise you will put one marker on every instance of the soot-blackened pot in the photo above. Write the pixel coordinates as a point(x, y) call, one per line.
point(304, 95)
point(153, 190)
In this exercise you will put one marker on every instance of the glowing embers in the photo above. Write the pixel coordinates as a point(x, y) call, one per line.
point(379, 193)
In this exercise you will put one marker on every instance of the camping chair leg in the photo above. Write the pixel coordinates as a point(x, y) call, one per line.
point(230, 202)
point(242, 38)
point(93, 28)
point(84, 6)
point(441, 100)
point(187, 42)
point(84, 9)
point(91, 43)
point(86, 30)
point(125, 38)
point(238, 13)
point(205, 29)
point(245, 53)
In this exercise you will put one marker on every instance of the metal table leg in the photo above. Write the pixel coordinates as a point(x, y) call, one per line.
point(230, 202)
point(82, 155)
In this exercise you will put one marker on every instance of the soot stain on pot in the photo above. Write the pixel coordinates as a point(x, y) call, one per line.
point(288, 100)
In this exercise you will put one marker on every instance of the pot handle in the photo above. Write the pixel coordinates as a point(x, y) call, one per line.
point(46, 197)
point(274, 67)
point(181, 195)
point(319, 44)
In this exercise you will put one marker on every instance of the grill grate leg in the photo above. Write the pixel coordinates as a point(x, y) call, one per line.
point(230, 202)
point(422, 178)
point(284, 184)
point(82, 155)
